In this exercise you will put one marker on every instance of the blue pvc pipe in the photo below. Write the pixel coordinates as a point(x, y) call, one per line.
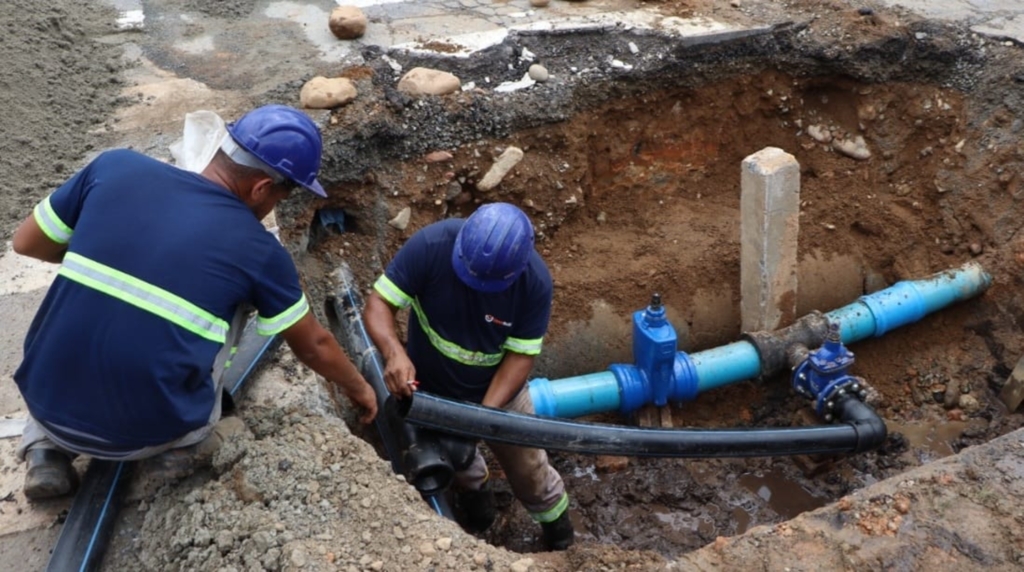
point(626, 388)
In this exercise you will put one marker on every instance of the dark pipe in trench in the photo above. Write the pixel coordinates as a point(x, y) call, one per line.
point(858, 429)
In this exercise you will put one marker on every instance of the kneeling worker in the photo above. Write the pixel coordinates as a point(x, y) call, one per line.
point(481, 301)
point(159, 267)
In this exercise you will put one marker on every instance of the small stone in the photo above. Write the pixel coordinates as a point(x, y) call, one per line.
point(443, 544)
point(969, 404)
point(735, 3)
point(523, 565)
point(427, 549)
point(510, 158)
point(298, 558)
point(327, 93)
point(347, 22)
point(976, 249)
point(401, 222)
point(426, 81)
point(819, 133)
point(902, 505)
point(438, 157)
point(538, 73)
point(539, 3)
point(855, 148)
point(480, 559)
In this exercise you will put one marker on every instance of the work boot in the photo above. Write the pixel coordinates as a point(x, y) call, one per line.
point(477, 508)
point(176, 464)
point(50, 474)
point(558, 534)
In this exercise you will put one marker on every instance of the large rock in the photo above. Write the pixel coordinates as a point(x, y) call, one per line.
point(326, 93)
point(426, 81)
point(348, 22)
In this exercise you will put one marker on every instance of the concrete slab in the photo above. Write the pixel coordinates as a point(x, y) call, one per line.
point(1010, 27)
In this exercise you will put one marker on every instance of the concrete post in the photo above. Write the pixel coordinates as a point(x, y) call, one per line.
point(769, 224)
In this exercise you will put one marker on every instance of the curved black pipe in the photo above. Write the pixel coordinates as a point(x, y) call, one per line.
point(347, 306)
point(424, 460)
point(852, 435)
point(871, 430)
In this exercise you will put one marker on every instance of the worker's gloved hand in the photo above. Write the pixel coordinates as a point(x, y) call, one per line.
point(400, 375)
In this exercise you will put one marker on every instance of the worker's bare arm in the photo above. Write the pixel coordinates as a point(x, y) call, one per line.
point(379, 317)
point(317, 348)
point(30, 240)
point(508, 380)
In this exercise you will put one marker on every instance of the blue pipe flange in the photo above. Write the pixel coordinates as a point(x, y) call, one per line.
point(634, 390)
point(685, 384)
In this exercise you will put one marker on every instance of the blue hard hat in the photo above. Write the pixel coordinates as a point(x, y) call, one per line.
point(284, 138)
point(493, 247)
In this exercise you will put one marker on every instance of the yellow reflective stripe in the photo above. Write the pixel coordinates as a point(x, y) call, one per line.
point(521, 346)
point(227, 364)
point(50, 223)
point(454, 351)
point(393, 294)
point(552, 513)
point(144, 296)
point(284, 320)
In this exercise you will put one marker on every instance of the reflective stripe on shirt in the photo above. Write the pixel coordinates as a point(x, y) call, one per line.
point(393, 294)
point(452, 350)
point(144, 296)
point(284, 320)
point(50, 223)
point(526, 347)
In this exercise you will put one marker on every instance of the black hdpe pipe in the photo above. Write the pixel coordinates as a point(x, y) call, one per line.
point(424, 458)
point(90, 521)
point(858, 429)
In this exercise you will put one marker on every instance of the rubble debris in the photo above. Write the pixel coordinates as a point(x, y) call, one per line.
point(426, 81)
point(327, 93)
point(348, 22)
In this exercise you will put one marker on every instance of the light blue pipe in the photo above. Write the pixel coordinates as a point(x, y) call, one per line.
point(626, 388)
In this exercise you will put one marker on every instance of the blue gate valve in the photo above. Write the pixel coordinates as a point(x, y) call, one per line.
point(824, 376)
point(654, 349)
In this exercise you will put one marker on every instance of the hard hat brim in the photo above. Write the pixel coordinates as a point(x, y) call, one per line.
point(316, 188)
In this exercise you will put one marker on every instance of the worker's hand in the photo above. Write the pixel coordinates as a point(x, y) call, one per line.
point(399, 375)
point(362, 395)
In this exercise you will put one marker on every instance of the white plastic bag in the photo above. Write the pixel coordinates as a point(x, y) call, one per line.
point(203, 134)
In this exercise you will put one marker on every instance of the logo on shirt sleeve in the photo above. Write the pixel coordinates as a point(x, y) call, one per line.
point(492, 320)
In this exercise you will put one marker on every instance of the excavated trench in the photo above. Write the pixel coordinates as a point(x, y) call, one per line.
point(633, 183)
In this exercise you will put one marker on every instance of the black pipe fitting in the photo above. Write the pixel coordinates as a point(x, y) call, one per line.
point(429, 458)
point(869, 427)
point(772, 347)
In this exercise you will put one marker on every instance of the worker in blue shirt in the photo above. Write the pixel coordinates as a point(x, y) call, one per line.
point(481, 301)
point(160, 268)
